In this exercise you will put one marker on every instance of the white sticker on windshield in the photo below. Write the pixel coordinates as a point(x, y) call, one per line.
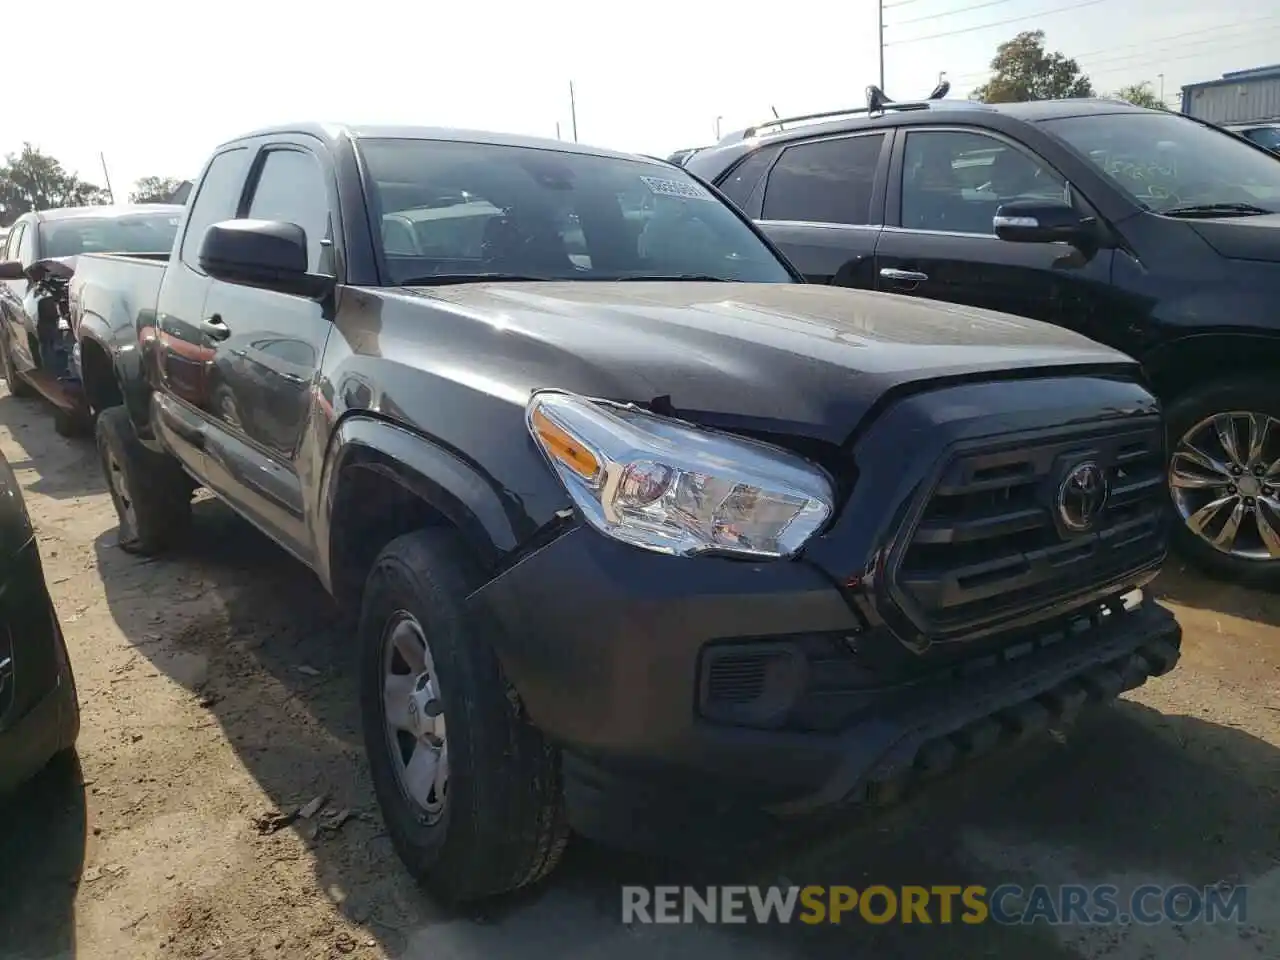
point(676, 188)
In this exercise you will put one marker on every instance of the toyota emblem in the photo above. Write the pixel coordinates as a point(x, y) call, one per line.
point(1082, 495)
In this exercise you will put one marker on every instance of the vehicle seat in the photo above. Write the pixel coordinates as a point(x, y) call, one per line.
point(65, 243)
point(398, 239)
point(530, 246)
point(932, 197)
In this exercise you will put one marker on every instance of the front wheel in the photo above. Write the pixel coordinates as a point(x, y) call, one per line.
point(469, 790)
point(1224, 479)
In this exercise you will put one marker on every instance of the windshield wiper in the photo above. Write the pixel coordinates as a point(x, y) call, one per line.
point(700, 277)
point(441, 279)
point(1216, 210)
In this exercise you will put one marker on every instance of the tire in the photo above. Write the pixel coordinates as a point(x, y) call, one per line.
point(1186, 414)
point(17, 386)
point(502, 822)
point(151, 492)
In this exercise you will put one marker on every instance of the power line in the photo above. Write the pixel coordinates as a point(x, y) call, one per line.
point(1117, 54)
point(947, 13)
point(998, 23)
point(1179, 49)
point(1140, 61)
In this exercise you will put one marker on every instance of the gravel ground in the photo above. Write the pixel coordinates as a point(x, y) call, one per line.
point(216, 691)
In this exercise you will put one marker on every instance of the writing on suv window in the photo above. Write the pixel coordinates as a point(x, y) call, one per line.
point(1175, 166)
point(456, 210)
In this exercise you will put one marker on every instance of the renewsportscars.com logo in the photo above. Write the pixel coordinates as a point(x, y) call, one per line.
point(940, 904)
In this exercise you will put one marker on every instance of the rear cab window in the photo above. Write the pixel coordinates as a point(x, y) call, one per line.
point(451, 208)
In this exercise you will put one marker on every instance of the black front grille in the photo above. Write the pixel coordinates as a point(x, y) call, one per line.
point(990, 540)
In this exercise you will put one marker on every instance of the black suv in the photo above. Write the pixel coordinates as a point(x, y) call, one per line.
point(1148, 231)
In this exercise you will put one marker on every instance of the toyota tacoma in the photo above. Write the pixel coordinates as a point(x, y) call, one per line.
point(634, 520)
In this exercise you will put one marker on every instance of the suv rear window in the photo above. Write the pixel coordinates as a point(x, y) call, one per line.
point(448, 207)
point(824, 181)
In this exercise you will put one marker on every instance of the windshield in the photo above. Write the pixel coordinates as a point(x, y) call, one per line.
point(145, 233)
point(451, 209)
point(1163, 160)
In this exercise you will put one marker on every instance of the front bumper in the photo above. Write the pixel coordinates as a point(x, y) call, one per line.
point(607, 647)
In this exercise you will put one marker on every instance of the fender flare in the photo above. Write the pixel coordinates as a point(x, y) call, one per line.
point(456, 489)
point(1168, 355)
point(126, 367)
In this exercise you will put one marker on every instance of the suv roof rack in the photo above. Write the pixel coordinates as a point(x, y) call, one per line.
point(877, 102)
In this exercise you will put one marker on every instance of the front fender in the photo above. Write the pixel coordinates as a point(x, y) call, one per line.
point(492, 522)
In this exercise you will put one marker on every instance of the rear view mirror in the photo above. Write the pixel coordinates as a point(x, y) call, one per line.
point(270, 254)
point(1039, 221)
point(11, 270)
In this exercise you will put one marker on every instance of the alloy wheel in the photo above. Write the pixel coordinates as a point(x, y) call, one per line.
point(1224, 477)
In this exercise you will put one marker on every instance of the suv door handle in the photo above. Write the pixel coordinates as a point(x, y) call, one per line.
point(215, 328)
point(902, 276)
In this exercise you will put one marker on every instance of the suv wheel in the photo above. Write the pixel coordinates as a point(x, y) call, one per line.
point(151, 492)
point(1224, 479)
point(470, 791)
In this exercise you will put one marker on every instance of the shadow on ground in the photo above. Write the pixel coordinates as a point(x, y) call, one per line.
point(68, 468)
point(1132, 792)
point(42, 844)
point(1180, 583)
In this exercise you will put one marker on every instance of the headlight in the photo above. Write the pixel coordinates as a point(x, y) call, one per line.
point(674, 488)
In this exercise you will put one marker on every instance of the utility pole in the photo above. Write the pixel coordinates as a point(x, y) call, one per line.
point(573, 112)
point(880, 26)
point(106, 176)
point(1161, 76)
point(558, 137)
point(718, 119)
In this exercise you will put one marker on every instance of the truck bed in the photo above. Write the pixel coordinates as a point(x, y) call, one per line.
point(110, 285)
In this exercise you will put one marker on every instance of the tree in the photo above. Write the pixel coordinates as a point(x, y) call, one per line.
point(32, 180)
point(1024, 71)
point(154, 189)
point(1140, 95)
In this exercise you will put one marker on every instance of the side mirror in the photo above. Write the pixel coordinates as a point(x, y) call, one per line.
point(269, 254)
point(1039, 221)
point(11, 270)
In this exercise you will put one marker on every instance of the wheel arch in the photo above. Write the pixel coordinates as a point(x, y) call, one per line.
point(1178, 366)
point(381, 480)
point(98, 374)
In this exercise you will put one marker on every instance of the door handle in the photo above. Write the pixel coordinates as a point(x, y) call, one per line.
point(902, 276)
point(215, 328)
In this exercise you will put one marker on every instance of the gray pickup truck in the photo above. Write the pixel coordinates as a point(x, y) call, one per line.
point(639, 526)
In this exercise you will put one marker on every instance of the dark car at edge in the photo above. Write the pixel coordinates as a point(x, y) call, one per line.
point(1145, 230)
point(636, 525)
point(39, 712)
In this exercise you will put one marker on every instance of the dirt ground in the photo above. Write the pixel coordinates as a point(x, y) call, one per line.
point(216, 691)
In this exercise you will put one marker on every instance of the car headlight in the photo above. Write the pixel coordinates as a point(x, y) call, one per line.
point(675, 488)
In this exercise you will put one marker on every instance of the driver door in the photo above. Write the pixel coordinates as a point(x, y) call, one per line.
point(945, 186)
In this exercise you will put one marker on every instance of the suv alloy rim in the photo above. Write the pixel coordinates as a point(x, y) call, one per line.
point(414, 716)
point(1224, 476)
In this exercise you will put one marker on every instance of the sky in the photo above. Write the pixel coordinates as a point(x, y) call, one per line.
point(153, 87)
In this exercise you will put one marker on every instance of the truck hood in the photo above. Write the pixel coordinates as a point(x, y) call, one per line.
point(1242, 238)
point(800, 359)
